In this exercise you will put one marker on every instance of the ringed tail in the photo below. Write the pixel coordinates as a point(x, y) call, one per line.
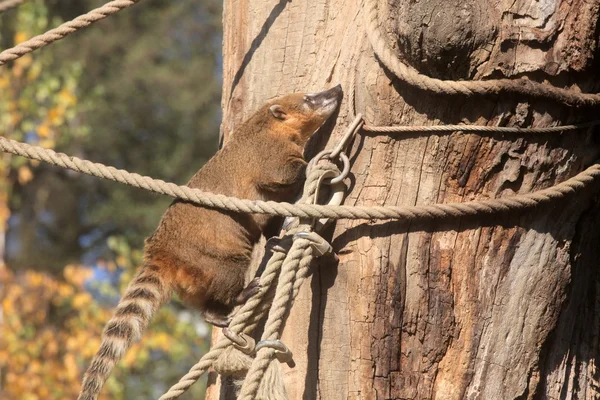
point(146, 293)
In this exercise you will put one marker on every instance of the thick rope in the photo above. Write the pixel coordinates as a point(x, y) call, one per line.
point(299, 258)
point(477, 128)
point(410, 213)
point(8, 4)
point(411, 76)
point(65, 29)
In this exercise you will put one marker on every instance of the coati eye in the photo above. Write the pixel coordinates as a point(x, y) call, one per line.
point(278, 112)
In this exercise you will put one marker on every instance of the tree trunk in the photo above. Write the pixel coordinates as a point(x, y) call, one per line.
point(502, 307)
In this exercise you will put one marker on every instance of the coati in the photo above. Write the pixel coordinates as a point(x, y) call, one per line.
point(203, 254)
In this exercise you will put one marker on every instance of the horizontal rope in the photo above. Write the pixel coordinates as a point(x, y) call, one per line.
point(217, 201)
point(412, 77)
point(8, 4)
point(477, 128)
point(65, 29)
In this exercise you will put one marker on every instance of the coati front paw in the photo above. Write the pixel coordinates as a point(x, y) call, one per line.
point(249, 291)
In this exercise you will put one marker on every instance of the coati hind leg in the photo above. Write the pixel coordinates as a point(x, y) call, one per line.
point(220, 314)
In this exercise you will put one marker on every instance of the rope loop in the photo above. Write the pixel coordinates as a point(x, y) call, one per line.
point(411, 76)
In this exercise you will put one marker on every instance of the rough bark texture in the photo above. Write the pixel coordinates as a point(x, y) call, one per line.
point(496, 308)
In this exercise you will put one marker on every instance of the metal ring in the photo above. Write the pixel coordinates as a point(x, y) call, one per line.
point(345, 171)
point(327, 154)
point(350, 133)
point(319, 245)
point(241, 341)
point(282, 353)
point(278, 244)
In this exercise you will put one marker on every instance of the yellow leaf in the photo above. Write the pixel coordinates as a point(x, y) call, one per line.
point(3, 357)
point(43, 130)
point(20, 37)
point(121, 260)
point(34, 278)
point(65, 290)
point(71, 370)
point(67, 97)
point(76, 274)
point(55, 116)
point(8, 306)
point(48, 143)
point(81, 300)
point(44, 392)
point(25, 175)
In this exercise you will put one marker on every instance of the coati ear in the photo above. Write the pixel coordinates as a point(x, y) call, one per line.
point(277, 111)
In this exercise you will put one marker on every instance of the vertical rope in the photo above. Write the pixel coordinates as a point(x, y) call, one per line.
point(299, 257)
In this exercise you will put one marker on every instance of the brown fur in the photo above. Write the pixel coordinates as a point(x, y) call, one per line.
point(203, 254)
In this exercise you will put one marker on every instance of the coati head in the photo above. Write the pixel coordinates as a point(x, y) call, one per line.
point(294, 117)
point(303, 112)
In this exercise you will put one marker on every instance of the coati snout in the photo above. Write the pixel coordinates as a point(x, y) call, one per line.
point(324, 102)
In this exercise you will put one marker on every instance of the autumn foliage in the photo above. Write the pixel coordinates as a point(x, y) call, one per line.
point(51, 328)
point(52, 310)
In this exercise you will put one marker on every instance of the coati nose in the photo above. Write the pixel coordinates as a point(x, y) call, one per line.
point(325, 97)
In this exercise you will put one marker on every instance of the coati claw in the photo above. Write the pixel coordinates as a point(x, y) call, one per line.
point(249, 291)
point(217, 320)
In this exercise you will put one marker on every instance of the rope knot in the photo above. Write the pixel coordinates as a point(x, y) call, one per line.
point(316, 174)
point(233, 362)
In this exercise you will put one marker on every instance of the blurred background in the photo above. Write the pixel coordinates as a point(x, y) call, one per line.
point(139, 90)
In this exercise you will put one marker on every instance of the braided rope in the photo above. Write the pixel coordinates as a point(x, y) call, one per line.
point(211, 200)
point(411, 76)
point(299, 258)
point(65, 29)
point(477, 128)
point(8, 4)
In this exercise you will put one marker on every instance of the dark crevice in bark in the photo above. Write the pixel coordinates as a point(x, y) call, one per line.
point(566, 338)
point(525, 394)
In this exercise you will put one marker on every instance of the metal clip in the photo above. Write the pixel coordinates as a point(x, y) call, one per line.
point(319, 245)
point(278, 244)
point(337, 192)
point(282, 353)
point(241, 341)
point(334, 178)
point(343, 143)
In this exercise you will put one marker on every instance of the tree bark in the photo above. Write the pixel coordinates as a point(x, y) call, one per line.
point(503, 307)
